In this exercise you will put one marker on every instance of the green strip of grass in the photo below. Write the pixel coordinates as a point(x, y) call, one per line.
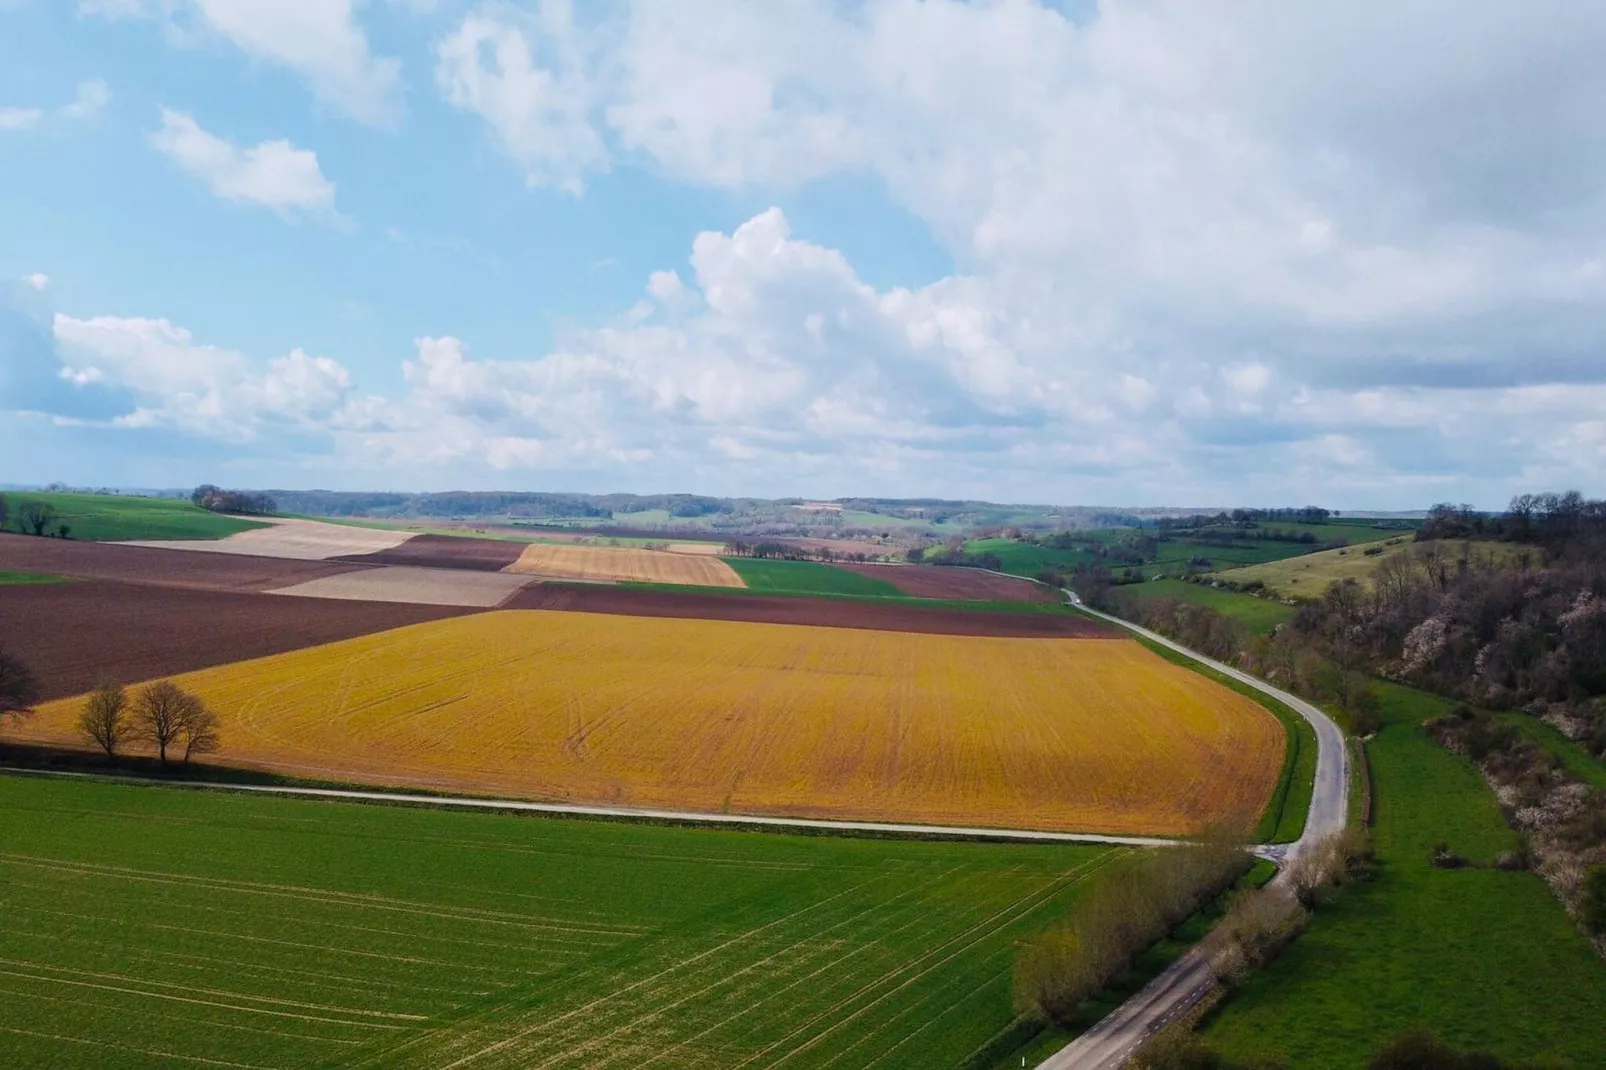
point(805, 577)
point(1258, 615)
point(1283, 819)
point(1486, 958)
point(17, 579)
point(116, 517)
point(899, 599)
point(1574, 758)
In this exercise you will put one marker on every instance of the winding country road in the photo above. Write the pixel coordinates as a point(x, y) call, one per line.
point(1111, 1042)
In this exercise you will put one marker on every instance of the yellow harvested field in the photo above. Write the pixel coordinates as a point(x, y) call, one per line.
point(1095, 735)
point(623, 563)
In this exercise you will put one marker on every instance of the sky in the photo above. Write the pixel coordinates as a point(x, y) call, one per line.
point(1165, 252)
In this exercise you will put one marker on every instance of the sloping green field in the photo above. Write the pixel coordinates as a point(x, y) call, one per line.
point(154, 926)
point(806, 577)
point(115, 517)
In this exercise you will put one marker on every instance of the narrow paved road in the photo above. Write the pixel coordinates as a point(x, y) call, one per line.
point(1111, 1042)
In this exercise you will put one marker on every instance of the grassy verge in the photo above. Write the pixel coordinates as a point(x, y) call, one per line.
point(1258, 615)
point(16, 579)
point(328, 933)
point(1486, 958)
point(1283, 819)
point(115, 517)
point(805, 577)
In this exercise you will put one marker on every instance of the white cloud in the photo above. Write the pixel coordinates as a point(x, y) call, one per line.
point(318, 39)
point(93, 96)
point(20, 118)
point(38, 280)
point(538, 112)
point(274, 174)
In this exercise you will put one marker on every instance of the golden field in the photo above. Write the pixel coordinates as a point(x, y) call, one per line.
point(1094, 735)
point(624, 563)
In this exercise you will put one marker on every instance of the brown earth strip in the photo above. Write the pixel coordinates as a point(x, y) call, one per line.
point(825, 612)
point(167, 568)
point(445, 551)
point(933, 581)
point(76, 635)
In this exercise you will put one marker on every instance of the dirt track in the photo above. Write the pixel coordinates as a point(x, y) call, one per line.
point(933, 581)
point(168, 568)
point(827, 612)
point(75, 635)
point(445, 551)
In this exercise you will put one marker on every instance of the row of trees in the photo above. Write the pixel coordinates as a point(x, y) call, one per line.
point(1548, 519)
point(162, 714)
point(1126, 912)
point(34, 517)
point(218, 500)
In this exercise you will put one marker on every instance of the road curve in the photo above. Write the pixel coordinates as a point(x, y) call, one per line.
point(1119, 1034)
point(689, 817)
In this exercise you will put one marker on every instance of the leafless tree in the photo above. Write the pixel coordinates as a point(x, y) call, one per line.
point(160, 714)
point(200, 730)
point(19, 687)
point(36, 516)
point(104, 720)
point(5, 511)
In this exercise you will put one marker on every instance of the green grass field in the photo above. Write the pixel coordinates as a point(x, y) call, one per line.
point(15, 579)
point(149, 926)
point(1025, 559)
point(1259, 615)
point(898, 599)
point(806, 577)
point(1486, 958)
point(114, 517)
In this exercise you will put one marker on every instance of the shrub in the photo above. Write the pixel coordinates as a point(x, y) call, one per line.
point(1592, 905)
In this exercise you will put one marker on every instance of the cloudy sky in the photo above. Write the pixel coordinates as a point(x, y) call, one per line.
point(1189, 252)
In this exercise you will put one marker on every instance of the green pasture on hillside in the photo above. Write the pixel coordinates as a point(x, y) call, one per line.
point(1026, 559)
point(115, 517)
point(768, 575)
point(1486, 958)
point(1258, 615)
point(157, 926)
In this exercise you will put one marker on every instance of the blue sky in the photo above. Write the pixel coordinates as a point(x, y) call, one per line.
point(1169, 252)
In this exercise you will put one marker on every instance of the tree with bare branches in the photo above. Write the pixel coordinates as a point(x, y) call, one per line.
point(161, 712)
point(19, 687)
point(104, 720)
point(200, 730)
point(36, 516)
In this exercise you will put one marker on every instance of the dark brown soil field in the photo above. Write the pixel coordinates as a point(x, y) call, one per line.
point(933, 581)
point(76, 635)
point(167, 568)
point(825, 612)
point(444, 551)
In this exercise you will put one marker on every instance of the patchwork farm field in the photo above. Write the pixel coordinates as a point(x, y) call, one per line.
point(1068, 734)
point(624, 564)
point(153, 926)
point(930, 581)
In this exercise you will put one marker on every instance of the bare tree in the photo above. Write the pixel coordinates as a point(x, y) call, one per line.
point(5, 511)
point(36, 516)
point(104, 720)
point(19, 687)
point(200, 730)
point(160, 713)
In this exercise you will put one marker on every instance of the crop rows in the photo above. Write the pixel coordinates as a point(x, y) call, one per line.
point(154, 926)
point(755, 718)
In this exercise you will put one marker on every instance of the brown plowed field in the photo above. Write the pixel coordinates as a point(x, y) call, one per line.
point(444, 551)
point(825, 612)
point(932, 581)
point(74, 635)
point(168, 568)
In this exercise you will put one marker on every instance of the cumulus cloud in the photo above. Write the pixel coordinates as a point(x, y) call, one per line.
point(20, 118)
point(318, 39)
point(38, 280)
point(91, 100)
point(274, 174)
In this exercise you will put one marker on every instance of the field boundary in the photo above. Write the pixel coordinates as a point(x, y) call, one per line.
point(751, 822)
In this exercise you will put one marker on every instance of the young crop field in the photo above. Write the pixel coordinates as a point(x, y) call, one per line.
point(153, 926)
point(807, 577)
point(930, 581)
point(17, 579)
point(1093, 735)
point(620, 563)
point(114, 517)
point(1484, 957)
